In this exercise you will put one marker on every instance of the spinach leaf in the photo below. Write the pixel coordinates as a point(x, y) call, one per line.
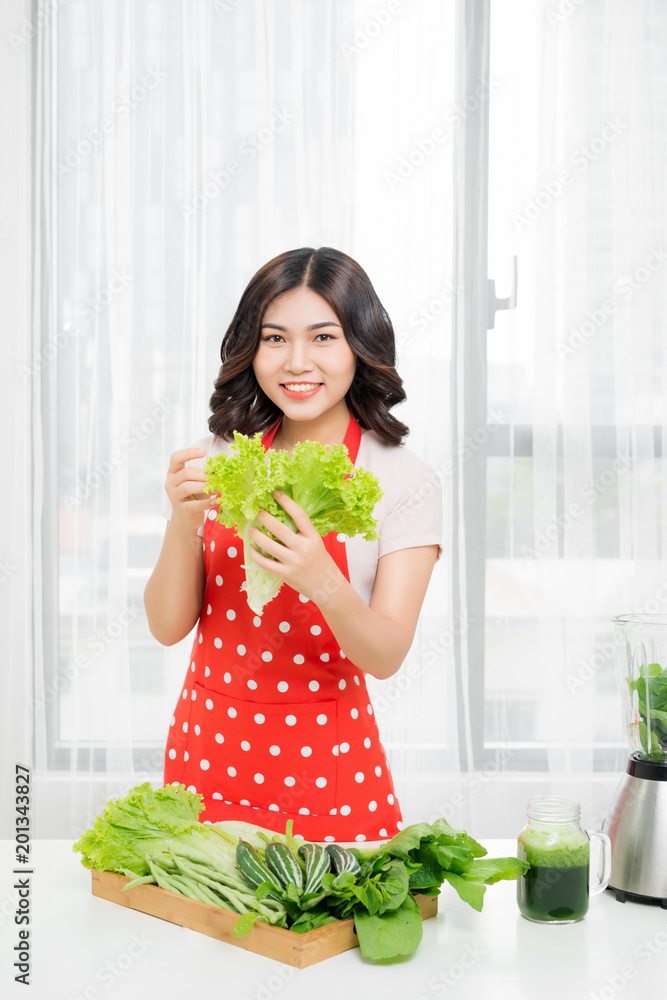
point(395, 932)
point(470, 890)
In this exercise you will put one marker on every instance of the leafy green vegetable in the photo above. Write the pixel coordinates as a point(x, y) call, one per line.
point(148, 821)
point(397, 932)
point(380, 896)
point(651, 689)
point(154, 836)
point(336, 496)
point(439, 853)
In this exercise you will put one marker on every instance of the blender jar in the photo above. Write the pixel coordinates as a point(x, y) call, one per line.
point(644, 683)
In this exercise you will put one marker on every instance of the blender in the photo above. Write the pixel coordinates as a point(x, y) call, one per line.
point(637, 820)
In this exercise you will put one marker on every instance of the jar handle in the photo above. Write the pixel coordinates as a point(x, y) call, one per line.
point(605, 847)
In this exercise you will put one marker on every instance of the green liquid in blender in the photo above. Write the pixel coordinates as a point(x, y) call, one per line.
point(555, 888)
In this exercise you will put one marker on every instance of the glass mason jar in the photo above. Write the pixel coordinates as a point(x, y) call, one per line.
point(556, 887)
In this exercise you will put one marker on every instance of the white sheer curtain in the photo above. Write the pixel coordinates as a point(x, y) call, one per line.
point(189, 143)
point(576, 493)
point(181, 145)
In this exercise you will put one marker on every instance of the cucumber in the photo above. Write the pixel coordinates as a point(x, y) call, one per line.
point(318, 863)
point(283, 864)
point(252, 867)
point(342, 860)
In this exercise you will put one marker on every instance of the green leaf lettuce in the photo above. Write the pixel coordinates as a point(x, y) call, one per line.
point(336, 496)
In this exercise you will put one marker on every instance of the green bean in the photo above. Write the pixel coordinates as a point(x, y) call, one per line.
point(144, 880)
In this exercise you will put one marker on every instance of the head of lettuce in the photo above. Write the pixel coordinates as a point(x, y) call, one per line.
point(335, 494)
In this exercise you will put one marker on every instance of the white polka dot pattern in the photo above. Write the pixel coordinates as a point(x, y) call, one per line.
point(256, 680)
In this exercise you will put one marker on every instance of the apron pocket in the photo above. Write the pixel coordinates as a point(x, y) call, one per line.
point(277, 756)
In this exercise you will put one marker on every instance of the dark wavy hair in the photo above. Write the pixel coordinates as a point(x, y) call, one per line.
point(239, 404)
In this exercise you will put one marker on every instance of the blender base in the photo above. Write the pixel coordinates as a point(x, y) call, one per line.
point(637, 827)
point(634, 897)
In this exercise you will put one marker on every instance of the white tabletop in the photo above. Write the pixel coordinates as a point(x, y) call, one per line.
point(86, 947)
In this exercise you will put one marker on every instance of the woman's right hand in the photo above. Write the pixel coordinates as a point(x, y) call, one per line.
point(184, 486)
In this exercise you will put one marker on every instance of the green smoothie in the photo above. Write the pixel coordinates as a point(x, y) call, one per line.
point(555, 888)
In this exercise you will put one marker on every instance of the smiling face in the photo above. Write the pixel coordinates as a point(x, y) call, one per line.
point(305, 366)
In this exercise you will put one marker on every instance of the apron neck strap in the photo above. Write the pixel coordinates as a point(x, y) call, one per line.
point(351, 440)
point(267, 438)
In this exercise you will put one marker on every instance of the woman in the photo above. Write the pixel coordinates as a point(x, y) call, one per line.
point(274, 720)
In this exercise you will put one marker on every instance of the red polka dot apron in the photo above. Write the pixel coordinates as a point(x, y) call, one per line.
point(273, 721)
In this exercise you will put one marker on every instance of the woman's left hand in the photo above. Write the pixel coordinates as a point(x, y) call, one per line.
point(300, 557)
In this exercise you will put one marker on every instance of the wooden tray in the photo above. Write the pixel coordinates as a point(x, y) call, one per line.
point(299, 950)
